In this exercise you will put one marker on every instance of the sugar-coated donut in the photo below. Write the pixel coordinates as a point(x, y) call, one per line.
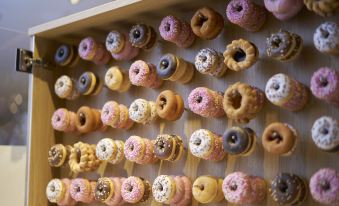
point(55, 190)
point(209, 61)
point(134, 148)
point(279, 138)
point(239, 141)
point(106, 149)
point(104, 189)
point(284, 9)
point(110, 113)
point(115, 42)
point(323, 7)
point(325, 134)
point(140, 111)
point(63, 86)
point(325, 85)
point(326, 38)
point(60, 119)
point(205, 23)
point(288, 189)
point(163, 188)
point(201, 143)
point(87, 48)
point(132, 189)
point(324, 186)
point(246, 14)
point(57, 155)
point(80, 190)
point(240, 55)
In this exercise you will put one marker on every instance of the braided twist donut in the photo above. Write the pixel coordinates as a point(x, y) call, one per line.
point(82, 158)
point(240, 55)
point(323, 7)
point(242, 102)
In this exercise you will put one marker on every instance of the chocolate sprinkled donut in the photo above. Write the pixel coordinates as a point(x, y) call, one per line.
point(104, 189)
point(163, 146)
point(57, 155)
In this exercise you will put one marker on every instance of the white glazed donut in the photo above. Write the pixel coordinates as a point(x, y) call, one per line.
point(55, 190)
point(163, 188)
point(325, 134)
point(113, 78)
point(201, 143)
point(63, 86)
point(120, 152)
point(106, 149)
point(115, 42)
point(326, 38)
point(278, 89)
point(206, 60)
point(140, 111)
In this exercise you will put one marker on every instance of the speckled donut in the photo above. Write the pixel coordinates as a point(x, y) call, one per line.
point(240, 55)
point(325, 85)
point(139, 111)
point(279, 139)
point(163, 188)
point(205, 23)
point(104, 189)
point(326, 38)
point(115, 42)
point(63, 86)
point(239, 141)
point(324, 186)
point(120, 152)
point(132, 189)
point(163, 146)
point(106, 149)
point(110, 113)
point(57, 155)
point(323, 7)
point(170, 28)
point(60, 119)
point(237, 188)
point(139, 73)
point(201, 143)
point(141, 35)
point(55, 190)
point(288, 189)
point(284, 9)
point(80, 190)
point(325, 134)
point(206, 61)
point(134, 148)
point(246, 14)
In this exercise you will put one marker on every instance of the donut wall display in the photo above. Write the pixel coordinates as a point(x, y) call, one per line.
point(211, 103)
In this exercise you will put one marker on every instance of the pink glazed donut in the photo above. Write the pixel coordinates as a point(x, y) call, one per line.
point(87, 48)
point(284, 9)
point(134, 148)
point(67, 200)
point(110, 113)
point(132, 189)
point(80, 190)
point(60, 119)
point(206, 102)
point(170, 28)
point(236, 187)
point(139, 73)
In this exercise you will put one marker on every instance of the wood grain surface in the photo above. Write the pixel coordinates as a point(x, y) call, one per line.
point(305, 160)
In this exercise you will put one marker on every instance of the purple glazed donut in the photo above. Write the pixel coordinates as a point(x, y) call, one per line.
point(132, 189)
point(87, 48)
point(134, 148)
point(325, 85)
point(324, 186)
point(246, 14)
point(206, 102)
point(170, 28)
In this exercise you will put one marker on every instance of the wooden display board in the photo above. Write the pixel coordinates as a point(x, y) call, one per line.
point(121, 15)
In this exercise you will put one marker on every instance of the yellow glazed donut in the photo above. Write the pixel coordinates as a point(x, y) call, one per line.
point(113, 78)
point(205, 189)
point(240, 55)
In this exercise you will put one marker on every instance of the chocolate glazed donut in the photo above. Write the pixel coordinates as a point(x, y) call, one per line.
point(163, 146)
point(167, 66)
point(237, 140)
point(139, 35)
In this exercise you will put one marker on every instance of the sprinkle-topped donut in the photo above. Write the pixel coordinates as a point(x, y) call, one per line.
point(206, 60)
point(60, 119)
point(63, 86)
point(163, 146)
point(163, 188)
point(324, 186)
point(326, 38)
point(104, 189)
point(110, 113)
point(120, 152)
point(87, 48)
point(284, 9)
point(115, 42)
point(57, 155)
point(55, 190)
point(325, 133)
point(106, 149)
point(134, 148)
point(236, 187)
point(139, 111)
point(201, 143)
point(81, 190)
point(132, 189)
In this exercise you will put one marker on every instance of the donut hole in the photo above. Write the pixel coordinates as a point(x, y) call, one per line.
point(324, 131)
point(78, 155)
point(160, 188)
point(110, 41)
point(61, 53)
point(129, 188)
point(136, 71)
point(82, 118)
point(234, 187)
point(276, 86)
point(275, 136)
point(58, 119)
point(325, 34)
point(199, 99)
point(136, 34)
point(201, 19)
point(236, 99)
point(61, 84)
point(131, 148)
point(161, 145)
point(276, 41)
point(52, 188)
point(323, 81)
point(325, 185)
point(106, 112)
point(203, 58)
point(239, 55)
point(197, 142)
point(238, 8)
point(283, 187)
point(84, 47)
point(163, 102)
point(83, 80)
point(201, 187)
point(78, 189)
point(233, 139)
point(103, 148)
point(164, 64)
point(167, 27)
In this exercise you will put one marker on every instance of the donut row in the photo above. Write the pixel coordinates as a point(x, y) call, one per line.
point(236, 188)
